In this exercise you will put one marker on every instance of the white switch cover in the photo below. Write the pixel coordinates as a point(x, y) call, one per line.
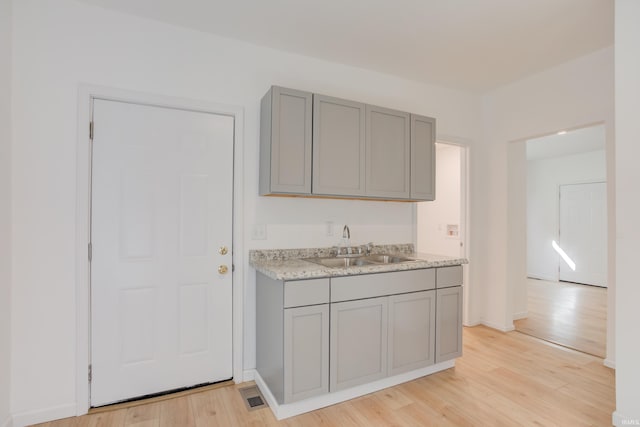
point(329, 228)
point(259, 232)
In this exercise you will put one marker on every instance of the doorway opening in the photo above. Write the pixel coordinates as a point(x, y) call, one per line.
point(564, 297)
point(441, 225)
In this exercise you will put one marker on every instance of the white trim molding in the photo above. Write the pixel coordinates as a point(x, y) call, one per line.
point(282, 411)
point(86, 95)
point(249, 375)
point(521, 315)
point(23, 419)
point(501, 328)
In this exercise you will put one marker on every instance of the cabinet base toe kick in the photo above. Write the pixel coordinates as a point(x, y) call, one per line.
point(287, 410)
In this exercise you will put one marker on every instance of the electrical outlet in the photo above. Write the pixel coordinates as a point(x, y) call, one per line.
point(259, 232)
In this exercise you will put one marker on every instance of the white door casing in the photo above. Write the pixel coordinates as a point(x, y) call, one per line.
point(583, 233)
point(162, 206)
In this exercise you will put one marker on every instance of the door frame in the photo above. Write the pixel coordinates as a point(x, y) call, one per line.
point(86, 95)
point(468, 318)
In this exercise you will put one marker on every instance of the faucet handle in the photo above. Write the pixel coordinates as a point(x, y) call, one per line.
point(369, 247)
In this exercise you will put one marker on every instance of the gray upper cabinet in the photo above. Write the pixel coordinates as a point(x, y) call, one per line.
point(388, 153)
point(285, 142)
point(316, 145)
point(338, 147)
point(423, 158)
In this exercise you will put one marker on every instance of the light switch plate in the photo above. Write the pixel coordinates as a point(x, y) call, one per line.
point(259, 232)
point(329, 228)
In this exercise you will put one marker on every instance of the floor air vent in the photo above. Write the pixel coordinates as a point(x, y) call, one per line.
point(252, 398)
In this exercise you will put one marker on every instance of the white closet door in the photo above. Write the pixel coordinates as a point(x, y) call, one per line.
point(162, 184)
point(583, 233)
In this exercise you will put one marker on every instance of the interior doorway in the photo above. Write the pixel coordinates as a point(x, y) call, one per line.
point(441, 225)
point(566, 240)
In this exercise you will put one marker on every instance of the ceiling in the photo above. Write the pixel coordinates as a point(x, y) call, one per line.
point(573, 142)
point(471, 45)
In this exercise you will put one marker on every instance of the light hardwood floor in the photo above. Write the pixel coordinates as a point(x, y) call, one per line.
point(567, 314)
point(503, 379)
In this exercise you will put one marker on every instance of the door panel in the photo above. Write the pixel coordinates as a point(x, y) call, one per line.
point(358, 342)
point(338, 147)
point(583, 233)
point(388, 146)
point(448, 323)
point(162, 183)
point(412, 331)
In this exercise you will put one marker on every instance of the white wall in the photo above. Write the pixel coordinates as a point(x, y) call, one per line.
point(516, 226)
point(5, 210)
point(572, 95)
point(544, 177)
point(433, 217)
point(627, 91)
point(59, 45)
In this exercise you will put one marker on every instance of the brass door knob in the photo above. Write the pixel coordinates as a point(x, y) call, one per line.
point(223, 250)
point(223, 269)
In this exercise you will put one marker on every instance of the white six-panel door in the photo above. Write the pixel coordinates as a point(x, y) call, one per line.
point(583, 233)
point(162, 183)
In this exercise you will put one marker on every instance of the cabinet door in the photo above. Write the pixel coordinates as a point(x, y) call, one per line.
point(448, 323)
point(423, 158)
point(285, 142)
point(388, 153)
point(306, 352)
point(338, 147)
point(358, 342)
point(412, 333)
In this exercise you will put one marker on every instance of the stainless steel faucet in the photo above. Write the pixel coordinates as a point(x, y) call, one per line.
point(346, 234)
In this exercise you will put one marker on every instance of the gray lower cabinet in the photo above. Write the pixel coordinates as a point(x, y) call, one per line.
point(412, 331)
point(292, 336)
point(338, 147)
point(306, 352)
point(285, 142)
point(423, 158)
point(358, 342)
point(448, 323)
point(388, 153)
point(317, 336)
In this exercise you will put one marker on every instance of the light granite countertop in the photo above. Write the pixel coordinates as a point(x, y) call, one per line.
point(290, 264)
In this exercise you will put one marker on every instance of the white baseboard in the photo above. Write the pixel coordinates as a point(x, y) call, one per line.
point(23, 419)
point(610, 363)
point(621, 420)
point(248, 375)
point(296, 408)
point(542, 277)
point(521, 315)
point(501, 328)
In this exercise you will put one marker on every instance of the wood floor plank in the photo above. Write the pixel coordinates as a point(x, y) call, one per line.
point(569, 314)
point(502, 379)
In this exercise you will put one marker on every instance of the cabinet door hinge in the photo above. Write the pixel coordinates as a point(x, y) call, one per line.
point(90, 251)
point(91, 130)
point(90, 373)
